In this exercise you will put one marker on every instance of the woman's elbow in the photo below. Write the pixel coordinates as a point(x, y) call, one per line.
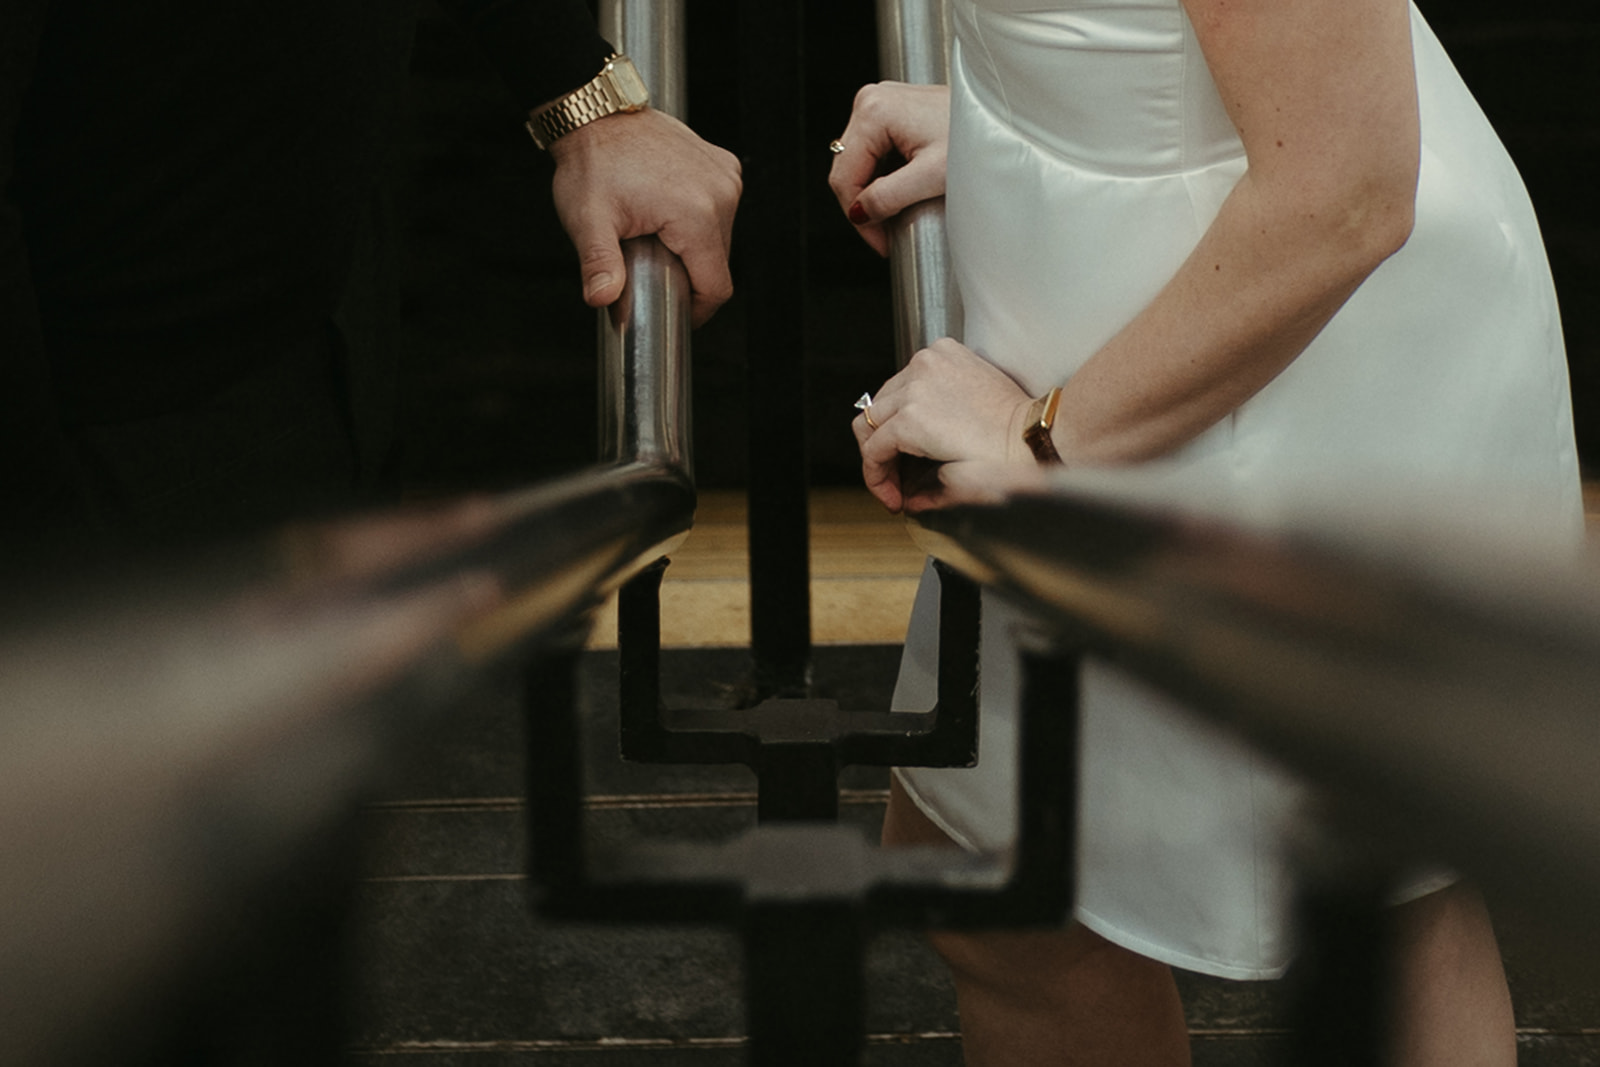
point(1378, 217)
point(1353, 220)
point(1393, 220)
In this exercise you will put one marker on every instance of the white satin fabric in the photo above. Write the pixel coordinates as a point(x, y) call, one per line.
point(1089, 151)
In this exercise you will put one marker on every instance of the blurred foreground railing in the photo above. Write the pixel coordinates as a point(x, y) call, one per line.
point(1443, 695)
point(1440, 699)
point(171, 747)
point(168, 752)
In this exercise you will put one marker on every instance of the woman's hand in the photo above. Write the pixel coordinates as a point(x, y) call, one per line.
point(948, 405)
point(891, 117)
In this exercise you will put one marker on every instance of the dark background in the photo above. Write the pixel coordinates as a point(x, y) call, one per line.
point(499, 351)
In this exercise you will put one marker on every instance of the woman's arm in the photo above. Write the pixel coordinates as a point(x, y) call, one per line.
point(1323, 94)
point(1324, 97)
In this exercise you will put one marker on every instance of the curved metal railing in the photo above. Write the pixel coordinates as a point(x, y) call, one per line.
point(166, 747)
point(914, 46)
point(644, 339)
point(1450, 711)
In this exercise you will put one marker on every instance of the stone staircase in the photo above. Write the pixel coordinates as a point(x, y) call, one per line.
point(453, 970)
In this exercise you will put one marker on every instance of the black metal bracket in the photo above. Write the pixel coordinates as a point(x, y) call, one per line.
point(1343, 980)
point(807, 895)
point(798, 747)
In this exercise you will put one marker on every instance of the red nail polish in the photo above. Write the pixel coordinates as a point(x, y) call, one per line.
point(858, 214)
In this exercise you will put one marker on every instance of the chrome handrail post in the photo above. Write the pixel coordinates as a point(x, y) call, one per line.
point(914, 46)
point(644, 336)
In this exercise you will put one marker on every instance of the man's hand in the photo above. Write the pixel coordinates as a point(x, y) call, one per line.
point(639, 173)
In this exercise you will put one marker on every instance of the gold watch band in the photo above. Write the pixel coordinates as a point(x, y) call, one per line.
point(616, 88)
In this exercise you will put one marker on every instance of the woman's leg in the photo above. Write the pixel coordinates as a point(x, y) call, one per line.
point(1049, 998)
point(1454, 1009)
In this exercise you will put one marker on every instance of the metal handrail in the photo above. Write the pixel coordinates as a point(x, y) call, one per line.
point(167, 745)
point(1449, 711)
point(163, 754)
point(644, 338)
point(914, 46)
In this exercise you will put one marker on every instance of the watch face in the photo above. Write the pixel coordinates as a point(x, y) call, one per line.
point(626, 85)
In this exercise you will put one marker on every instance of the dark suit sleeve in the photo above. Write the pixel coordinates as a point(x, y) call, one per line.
point(542, 48)
point(40, 481)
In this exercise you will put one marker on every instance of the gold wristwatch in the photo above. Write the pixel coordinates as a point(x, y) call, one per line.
point(1036, 432)
point(617, 87)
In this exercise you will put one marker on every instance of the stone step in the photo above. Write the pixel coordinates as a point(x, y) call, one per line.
point(454, 969)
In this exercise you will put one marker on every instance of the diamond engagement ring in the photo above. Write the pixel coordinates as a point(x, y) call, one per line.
point(864, 405)
point(836, 146)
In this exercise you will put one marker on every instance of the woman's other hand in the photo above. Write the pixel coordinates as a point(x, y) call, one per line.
point(948, 405)
point(912, 121)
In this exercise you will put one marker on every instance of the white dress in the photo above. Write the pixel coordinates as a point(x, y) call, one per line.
point(1089, 151)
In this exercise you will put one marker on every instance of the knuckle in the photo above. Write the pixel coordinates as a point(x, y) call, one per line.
point(872, 99)
point(728, 171)
point(700, 206)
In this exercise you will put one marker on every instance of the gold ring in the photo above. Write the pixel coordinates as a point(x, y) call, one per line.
point(864, 405)
point(836, 146)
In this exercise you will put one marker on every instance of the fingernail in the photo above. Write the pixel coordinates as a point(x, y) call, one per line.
point(596, 283)
point(858, 214)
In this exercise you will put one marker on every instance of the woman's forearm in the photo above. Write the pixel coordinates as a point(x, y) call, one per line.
point(1323, 95)
point(1263, 281)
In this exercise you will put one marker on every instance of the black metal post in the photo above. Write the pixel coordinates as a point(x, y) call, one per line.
point(639, 657)
point(772, 282)
point(556, 862)
point(960, 643)
point(1047, 784)
point(797, 746)
point(803, 980)
point(1343, 976)
point(800, 781)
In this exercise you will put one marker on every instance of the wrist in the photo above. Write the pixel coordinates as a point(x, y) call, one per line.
point(617, 89)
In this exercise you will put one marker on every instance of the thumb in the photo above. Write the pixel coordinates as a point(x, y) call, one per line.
point(600, 264)
point(603, 274)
